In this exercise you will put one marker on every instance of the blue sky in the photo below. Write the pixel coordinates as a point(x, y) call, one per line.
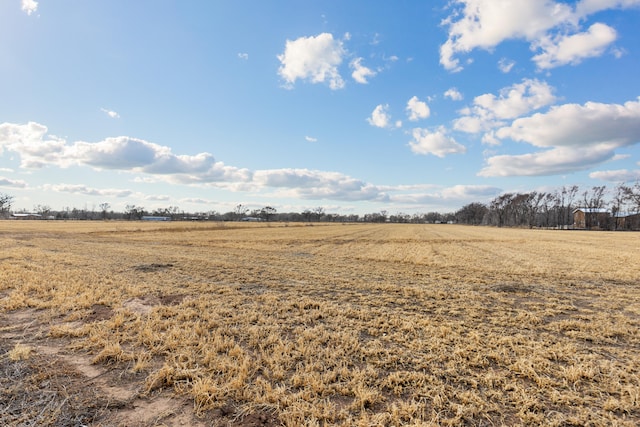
point(358, 106)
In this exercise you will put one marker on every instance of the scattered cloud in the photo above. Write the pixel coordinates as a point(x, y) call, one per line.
point(417, 109)
point(360, 72)
point(311, 139)
point(87, 191)
point(110, 113)
point(158, 163)
point(437, 143)
point(244, 56)
point(576, 137)
point(551, 27)
point(453, 94)
point(15, 183)
point(551, 162)
point(380, 117)
point(458, 194)
point(505, 65)
point(157, 198)
point(314, 59)
point(29, 6)
point(620, 175)
point(572, 49)
point(37, 150)
point(489, 111)
point(577, 125)
point(313, 184)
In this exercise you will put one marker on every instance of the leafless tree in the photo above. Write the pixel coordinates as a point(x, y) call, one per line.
point(5, 204)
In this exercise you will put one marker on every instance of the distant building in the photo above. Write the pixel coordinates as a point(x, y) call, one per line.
point(26, 216)
point(155, 218)
point(598, 218)
point(251, 219)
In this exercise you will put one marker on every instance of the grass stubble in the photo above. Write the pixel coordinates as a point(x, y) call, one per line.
point(332, 324)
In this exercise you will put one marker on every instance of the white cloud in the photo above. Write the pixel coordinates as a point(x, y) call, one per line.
point(469, 191)
point(244, 56)
point(15, 183)
point(572, 49)
point(552, 26)
point(587, 7)
point(315, 59)
point(37, 149)
point(577, 137)
point(578, 125)
point(158, 198)
point(555, 161)
point(110, 113)
point(437, 143)
point(490, 111)
point(380, 117)
point(620, 175)
point(453, 94)
point(29, 6)
point(88, 191)
point(505, 65)
point(459, 194)
point(313, 184)
point(311, 139)
point(360, 72)
point(417, 109)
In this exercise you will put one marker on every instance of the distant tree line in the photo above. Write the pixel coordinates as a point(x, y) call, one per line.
point(552, 209)
point(555, 209)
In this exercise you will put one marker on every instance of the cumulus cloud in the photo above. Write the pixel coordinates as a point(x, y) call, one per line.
point(576, 137)
point(458, 194)
point(311, 139)
point(360, 72)
point(380, 117)
point(314, 59)
point(550, 26)
point(620, 175)
point(110, 113)
point(505, 65)
point(417, 109)
point(572, 49)
point(244, 56)
point(437, 143)
point(489, 110)
point(37, 149)
point(453, 94)
point(555, 161)
point(29, 6)
point(313, 184)
point(87, 191)
point(31, 141)
point(578, 125)
point(14, 183)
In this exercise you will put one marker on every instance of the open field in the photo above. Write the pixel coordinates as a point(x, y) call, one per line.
point(109, 323)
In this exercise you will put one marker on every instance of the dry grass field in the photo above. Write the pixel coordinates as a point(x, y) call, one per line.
point(205, 324)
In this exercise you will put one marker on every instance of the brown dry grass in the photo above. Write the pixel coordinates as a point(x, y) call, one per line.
point(340, 324)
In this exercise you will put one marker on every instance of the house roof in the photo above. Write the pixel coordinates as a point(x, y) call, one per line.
point(591, 210)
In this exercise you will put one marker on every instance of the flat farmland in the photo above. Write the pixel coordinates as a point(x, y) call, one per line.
point(220, 324)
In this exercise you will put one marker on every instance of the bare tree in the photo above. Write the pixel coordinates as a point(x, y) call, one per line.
point(104, 207)
point(473, 213)
point(500, 208)
point(267, 212)
point(134, 212)
point(240, 211)
point(5, 204)
point(319, 212)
